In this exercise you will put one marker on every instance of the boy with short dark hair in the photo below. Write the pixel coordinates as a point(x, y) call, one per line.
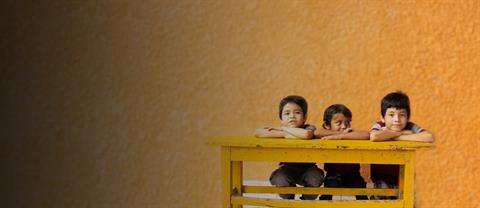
point(395, 125)
point(293, 113)
point(336, 125)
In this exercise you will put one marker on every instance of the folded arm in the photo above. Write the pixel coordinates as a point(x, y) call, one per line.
point(269, 132)
point(424, 136)
point(319, 133)
point(383, 135)
point(405, 135)
point(353, 135)
point(291, 132)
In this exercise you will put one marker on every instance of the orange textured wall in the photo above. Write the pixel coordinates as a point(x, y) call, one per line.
point(110, 103)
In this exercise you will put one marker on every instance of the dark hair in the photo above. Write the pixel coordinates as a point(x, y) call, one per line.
point(299, 100)
point(332, 110)
point(398, 100)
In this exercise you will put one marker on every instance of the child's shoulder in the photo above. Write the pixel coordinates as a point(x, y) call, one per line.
point(378, 125)
point(414, 127)
point(309, 127)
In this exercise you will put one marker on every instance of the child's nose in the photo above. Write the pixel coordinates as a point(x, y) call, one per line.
point(395, 117)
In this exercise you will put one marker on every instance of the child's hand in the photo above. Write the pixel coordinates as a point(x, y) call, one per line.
point(332, 137)
point(347, 130)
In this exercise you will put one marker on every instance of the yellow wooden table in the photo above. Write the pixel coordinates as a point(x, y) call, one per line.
point(235, 150)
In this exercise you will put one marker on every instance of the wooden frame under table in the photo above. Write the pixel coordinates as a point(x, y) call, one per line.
point(235, 150)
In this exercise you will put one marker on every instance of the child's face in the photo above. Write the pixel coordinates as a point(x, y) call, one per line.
point(292, 115)
point(339, 122)
point(395, 119)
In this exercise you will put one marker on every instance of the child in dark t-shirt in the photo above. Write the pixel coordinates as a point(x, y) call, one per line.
point(395, 125)
point(336, 125)
point(293, 114)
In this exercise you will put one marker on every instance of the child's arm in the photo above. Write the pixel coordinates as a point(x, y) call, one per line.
point(353, 135)
point(319, 133)
point(269, 132)
point(291, 132)
point(383, 135)
point(424, 136)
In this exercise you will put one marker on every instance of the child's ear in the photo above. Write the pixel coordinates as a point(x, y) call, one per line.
point(381, 118)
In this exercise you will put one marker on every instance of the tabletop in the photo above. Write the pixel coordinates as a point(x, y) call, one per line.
point(251, 141)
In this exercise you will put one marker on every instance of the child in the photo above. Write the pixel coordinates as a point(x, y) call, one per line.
point(395, 125)
point(336, 125)
point(293, 113)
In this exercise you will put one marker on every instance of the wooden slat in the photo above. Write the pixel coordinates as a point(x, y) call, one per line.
point(317, 203)
point(313, 155)
point(320, 190)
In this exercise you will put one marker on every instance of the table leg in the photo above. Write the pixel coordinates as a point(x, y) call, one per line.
point(226, 178)
point(237, 179)
point(409, 177)
point(401, 181)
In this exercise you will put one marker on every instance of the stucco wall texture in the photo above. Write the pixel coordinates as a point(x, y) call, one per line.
point(110, 103)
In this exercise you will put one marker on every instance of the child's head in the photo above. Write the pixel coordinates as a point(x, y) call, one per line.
point(293, 111)
point(395, 109)
point(337, 117)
